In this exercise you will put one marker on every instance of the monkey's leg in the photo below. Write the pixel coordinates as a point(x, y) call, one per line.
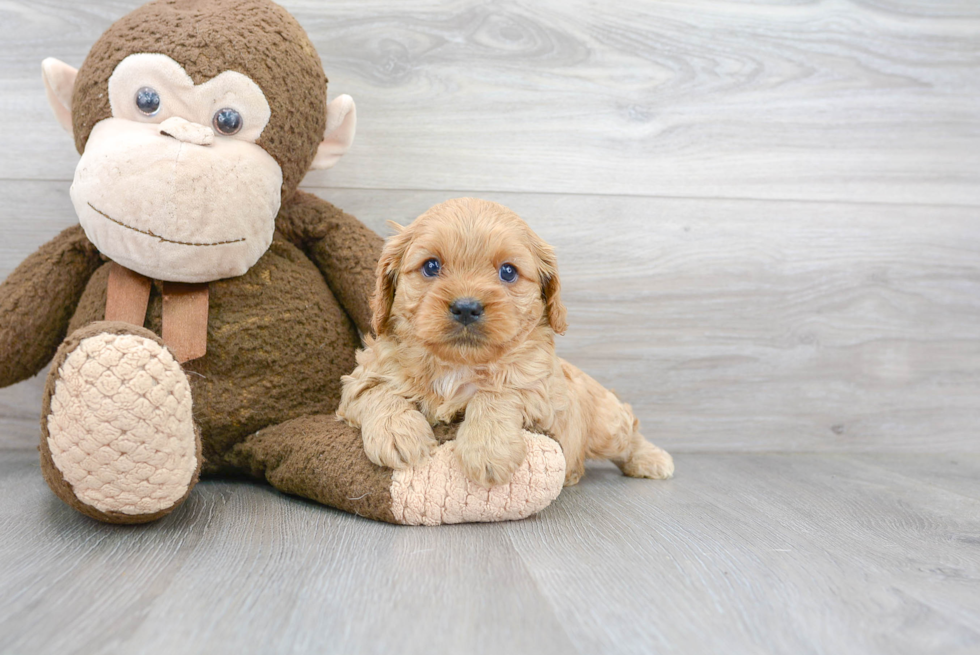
point(321, 458)
point(118, 442)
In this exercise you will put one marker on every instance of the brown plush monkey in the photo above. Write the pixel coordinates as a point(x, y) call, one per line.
point(211, 307)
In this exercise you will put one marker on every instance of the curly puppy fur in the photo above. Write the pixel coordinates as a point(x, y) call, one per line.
point(497, 370)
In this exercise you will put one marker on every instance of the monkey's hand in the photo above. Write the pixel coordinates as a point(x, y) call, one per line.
point(38, 300)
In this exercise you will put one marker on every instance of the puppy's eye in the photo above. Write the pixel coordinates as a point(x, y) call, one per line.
point(508, 273)
point(431, 267)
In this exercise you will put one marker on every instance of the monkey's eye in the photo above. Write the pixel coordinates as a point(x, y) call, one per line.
point(431, 267)
point(227, 121)
point(148, 101)
point(508, 273)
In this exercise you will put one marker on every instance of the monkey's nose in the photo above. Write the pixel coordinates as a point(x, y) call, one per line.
point(466, 310)
point(186, 131)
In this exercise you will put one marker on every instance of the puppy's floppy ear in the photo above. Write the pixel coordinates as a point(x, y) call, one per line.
point(387, 277)
point(550, 283)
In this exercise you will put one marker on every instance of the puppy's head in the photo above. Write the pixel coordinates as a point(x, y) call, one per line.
point(469, 280)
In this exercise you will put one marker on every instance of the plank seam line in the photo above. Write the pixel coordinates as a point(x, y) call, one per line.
point(575, 194)
point(652, 197)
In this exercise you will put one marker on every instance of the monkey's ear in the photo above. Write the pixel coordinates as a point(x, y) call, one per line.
point(341, 124)
point(59, 81)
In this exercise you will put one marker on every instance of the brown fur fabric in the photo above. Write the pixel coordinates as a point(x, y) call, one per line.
point(37, 301)
point(279, 337)
point(335, 241)
point(320, 458)
point(278, 343)
point(258, 39)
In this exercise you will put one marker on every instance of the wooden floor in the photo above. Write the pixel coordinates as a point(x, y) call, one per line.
point(741, 553)
point(767, 218)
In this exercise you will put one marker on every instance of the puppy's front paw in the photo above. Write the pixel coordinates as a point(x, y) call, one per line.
point(401, 441)
point(489, 462)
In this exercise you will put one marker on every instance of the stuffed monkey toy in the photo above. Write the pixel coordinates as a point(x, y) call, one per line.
point(210, 307)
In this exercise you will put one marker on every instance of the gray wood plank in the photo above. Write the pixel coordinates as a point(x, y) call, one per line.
point(729, 325)
point(240, 568)
point(750, 553)
point(951, 472)
point(20, 409)
point(748, 325)
point(761, 554)
point(870, 101)
point(763, 325)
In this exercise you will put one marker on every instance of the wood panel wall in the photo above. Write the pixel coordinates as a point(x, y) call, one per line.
point(766, 213)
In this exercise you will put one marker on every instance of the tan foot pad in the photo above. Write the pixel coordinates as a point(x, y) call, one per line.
point(437, 492)
point(120, 429)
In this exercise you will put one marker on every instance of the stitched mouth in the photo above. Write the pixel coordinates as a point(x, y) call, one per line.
point(157, 236)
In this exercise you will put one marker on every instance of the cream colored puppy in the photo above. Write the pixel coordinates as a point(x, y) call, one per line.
point(466, 310)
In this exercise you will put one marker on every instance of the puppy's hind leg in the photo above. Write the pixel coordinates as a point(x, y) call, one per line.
point(613, 431)
point(642, 459)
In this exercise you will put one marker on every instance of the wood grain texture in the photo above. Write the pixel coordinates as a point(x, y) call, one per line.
point(240, 568)
point(738, 554)
point(762, 554)
point(757, 325)
point(858, 101)
point(829, 304)
point(950, 472)
point(728, 325)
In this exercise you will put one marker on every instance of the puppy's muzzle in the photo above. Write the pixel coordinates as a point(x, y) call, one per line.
point(466, 310)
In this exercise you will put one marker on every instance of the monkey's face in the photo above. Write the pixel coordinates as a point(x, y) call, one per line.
point(173, 185)
point(195, 119)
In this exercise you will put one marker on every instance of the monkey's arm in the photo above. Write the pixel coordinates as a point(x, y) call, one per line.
point(345, 250)
point(38, 299)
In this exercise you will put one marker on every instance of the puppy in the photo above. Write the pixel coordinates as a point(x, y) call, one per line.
point(466, 309)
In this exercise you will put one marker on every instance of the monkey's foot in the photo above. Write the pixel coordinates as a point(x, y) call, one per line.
point(439, 492)
point(118, 442)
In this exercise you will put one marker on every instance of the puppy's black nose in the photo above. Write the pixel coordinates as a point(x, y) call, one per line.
point(466, 310)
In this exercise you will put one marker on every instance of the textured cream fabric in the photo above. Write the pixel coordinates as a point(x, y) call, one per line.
point(59, 81)
point(339, 135)
point(179, 96)
point(187, 132)
point(437, 492)
point(120, 429)
point(172, 210)
point(163, 194)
